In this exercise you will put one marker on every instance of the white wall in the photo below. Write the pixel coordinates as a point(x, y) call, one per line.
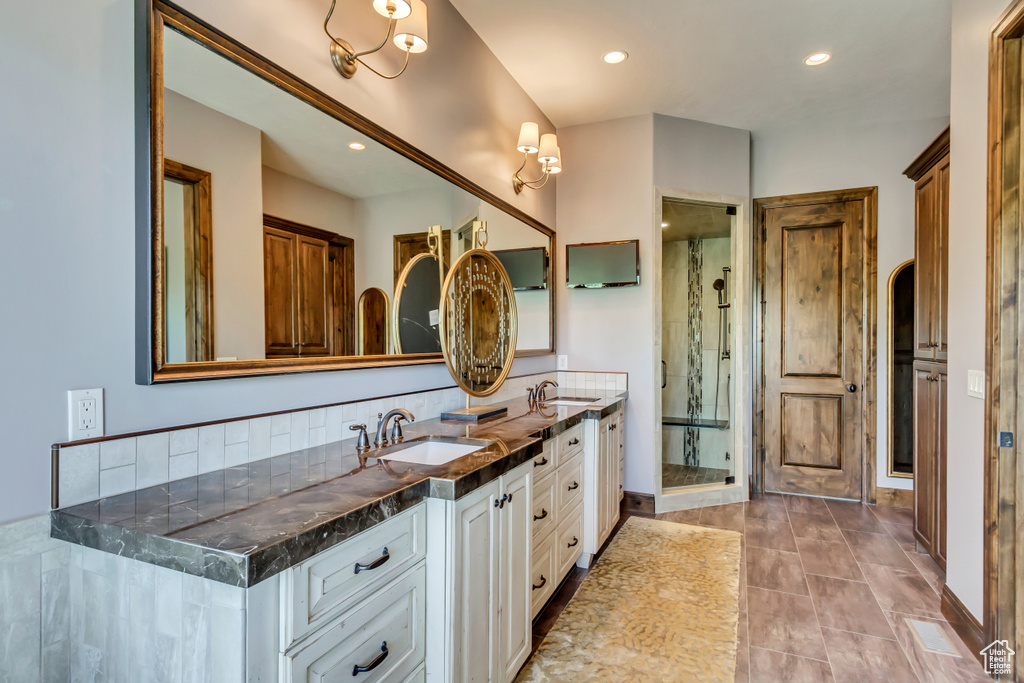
point(231, 152)
point(67, 186)
point(801, 160)
point(972, 26)
point(286, 196)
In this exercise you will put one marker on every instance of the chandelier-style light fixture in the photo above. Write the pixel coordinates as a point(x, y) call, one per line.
point(407, 20)
point(547, 151)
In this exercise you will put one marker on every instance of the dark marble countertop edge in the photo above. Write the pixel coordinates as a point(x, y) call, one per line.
point(247, 569)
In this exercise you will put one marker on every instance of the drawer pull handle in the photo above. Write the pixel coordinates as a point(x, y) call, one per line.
point(543, 514)
point(384, 557)
point(356, 670)
point(541, 463)
point(575, 542)
point(499, 503)
point(543, 580)
point(575, 485)
point(574, 441)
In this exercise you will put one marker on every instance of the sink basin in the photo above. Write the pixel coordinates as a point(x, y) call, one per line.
point(433, 452)
point(570, 401)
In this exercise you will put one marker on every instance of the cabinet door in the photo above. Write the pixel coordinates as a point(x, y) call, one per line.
point(278, 291)
point(939, 317)
point(313, 295)
point(475, 586)
point(615, 480)
point(925, 466)
point(925, 265)
point(939, 546)
point(604, 513)
point(514, 614)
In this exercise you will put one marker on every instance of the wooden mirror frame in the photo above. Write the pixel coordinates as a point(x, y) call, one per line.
point(151, 16)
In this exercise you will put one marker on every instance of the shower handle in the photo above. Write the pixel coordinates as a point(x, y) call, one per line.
point(664, 374)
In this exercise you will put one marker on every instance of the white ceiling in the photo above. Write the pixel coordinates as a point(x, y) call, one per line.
point(693, 221)
point(732, 62)
point(297, 139)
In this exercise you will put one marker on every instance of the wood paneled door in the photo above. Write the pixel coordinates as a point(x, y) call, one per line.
point(409, 245)
point(817, 255)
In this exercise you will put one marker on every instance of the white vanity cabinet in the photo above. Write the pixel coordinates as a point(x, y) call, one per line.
point(601, 475)
point(478, 582)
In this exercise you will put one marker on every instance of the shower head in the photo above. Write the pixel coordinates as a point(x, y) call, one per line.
point(718, 284)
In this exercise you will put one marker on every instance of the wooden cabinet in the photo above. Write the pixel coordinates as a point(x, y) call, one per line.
point(930, 173)
point(930, 458)
point(489, 602)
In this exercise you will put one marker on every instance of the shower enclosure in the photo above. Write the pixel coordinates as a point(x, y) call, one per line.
point(697, 313)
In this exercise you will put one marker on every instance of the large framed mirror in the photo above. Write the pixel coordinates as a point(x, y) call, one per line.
point(273, 221)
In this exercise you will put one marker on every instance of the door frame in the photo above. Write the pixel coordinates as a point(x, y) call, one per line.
point(1004, 467)
point(742, 352)
point(869, 357)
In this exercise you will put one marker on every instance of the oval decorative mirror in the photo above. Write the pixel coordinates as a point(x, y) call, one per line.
point(415, 324)
point(374, 335)
point(479, 322)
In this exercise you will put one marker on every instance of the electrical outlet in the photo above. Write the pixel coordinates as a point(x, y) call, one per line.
point(563, 362)
point(976, 383)
point(85, 414)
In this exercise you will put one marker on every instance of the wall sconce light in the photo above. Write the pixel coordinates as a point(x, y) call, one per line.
point(407, 19)
point(547, 151)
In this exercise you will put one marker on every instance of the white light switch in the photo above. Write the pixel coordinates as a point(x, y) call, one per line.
point(563, 362)
point(85, 414)
point(976, 383)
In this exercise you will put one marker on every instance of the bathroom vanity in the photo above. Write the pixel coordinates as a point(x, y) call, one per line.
point(328, 564)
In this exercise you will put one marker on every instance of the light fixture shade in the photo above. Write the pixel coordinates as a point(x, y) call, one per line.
point(402, 8)
point(529, 138)
point(556, 166)
point(411, 32)
point(548, 149)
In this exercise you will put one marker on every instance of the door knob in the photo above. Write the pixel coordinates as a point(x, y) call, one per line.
point(851, 387)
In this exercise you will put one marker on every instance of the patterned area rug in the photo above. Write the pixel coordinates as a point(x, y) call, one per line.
point(661, 604)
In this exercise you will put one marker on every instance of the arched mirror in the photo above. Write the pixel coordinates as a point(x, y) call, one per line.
point(374, 327)
point(901, 371)
point(416, 305)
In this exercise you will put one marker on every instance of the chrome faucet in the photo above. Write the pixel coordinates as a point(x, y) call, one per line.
point(538, 391)
point(396, 433)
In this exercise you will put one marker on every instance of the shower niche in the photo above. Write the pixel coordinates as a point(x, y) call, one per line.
point(697, 316)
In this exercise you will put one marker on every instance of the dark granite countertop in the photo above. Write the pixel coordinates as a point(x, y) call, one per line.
point(244, 524)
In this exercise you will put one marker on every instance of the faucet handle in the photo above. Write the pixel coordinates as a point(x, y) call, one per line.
point(363, 443)
point(396, 430)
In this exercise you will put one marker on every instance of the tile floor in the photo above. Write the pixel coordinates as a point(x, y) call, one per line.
point(826, 588)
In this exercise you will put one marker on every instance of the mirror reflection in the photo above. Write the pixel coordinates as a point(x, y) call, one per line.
point(286, 232)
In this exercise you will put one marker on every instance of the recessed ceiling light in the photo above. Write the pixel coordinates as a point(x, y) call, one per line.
point(664, 225)
point(817, 59)
point(615, 57)
point(357, 146)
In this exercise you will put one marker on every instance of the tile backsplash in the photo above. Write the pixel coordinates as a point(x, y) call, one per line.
point(117, 465)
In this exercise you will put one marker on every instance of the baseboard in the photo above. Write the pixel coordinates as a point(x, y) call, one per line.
point(963, 622)
point(895, 498)
point(638, 503)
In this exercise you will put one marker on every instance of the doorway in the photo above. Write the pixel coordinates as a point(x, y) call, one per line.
point(816, 277)
point(901, 371)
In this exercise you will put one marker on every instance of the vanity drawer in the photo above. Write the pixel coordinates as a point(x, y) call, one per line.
point(570, 485)
point(570, 442)
point(321, 587)
point(543, 580)
point(545, 507)
point(387, 629)
point(418, 676)
point(569, 543)
point(545, 462)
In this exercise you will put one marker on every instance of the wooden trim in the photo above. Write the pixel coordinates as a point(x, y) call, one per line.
point(894, 498)
point(307, 230)
point(151, 17)
point(1003, 606)
point(929, 157)
point(868, 195)
point(638, 503)
point(963, 622)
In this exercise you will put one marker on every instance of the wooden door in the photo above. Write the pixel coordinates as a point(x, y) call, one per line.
point(374, 318)
point(813, 348)
point(315, 300)
point(475, 586)
point(925, 448)
point(409, 245)
point(926, 249)
point(939, 552)
point(939, 325)
point(279, 284)
point(515, 632)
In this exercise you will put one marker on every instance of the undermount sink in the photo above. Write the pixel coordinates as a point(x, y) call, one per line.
point(434, 452)
point(570, 401)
